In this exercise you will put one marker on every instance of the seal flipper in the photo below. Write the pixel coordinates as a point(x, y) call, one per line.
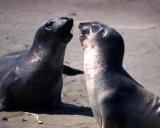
point(5, 83)
point(2, 106)
point(71, 71)
point(3, 92)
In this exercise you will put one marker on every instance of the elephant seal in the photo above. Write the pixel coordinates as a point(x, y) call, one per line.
point(33, 79)
point(116, 99)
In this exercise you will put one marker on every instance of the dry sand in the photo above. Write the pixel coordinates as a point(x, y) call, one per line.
point(137, 20)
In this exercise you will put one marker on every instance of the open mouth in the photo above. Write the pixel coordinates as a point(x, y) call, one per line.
point(84, 32)
point(82, 37)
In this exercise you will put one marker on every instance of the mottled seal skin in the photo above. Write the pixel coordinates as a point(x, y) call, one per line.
point(33, 79)
point(117, 100)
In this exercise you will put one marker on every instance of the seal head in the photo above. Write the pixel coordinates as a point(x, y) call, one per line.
point(95, 34)
point(57, 29)
point(54, 31)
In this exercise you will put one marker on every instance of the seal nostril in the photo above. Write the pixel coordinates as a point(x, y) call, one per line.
point(85, 30)
point(82, 25)
point(65, 25)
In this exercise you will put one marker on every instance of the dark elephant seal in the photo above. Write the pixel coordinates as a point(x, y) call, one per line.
point(117, 100)
point(33, 78)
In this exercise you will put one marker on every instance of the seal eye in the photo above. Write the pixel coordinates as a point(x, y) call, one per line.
point(49, 25)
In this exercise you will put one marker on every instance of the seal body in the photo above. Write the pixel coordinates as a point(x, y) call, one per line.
point(33, 78)
point(116, 99)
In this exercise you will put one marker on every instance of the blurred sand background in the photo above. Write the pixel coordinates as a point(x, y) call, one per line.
point(137, 20)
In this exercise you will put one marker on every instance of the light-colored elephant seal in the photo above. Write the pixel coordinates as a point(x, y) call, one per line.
point(33, 79)
point(117, 100)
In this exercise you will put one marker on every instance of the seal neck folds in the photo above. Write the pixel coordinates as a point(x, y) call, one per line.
point(52, 56)
point(97, 59)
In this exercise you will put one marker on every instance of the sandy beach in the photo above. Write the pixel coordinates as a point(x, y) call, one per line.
point(137, 20)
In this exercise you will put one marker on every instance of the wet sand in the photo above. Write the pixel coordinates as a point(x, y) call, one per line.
point(137, 20)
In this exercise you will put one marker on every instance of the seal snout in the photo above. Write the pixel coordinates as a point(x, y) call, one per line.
point(89, 27)
point(85, 30)
point(67, 19)
point(66, 24)
point(84, 24)
point(61, 26)
point(84, 27)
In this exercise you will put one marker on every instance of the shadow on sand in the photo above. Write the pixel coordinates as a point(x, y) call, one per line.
point(65, 109)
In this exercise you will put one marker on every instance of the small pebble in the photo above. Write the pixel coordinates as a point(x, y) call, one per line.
point(40, 122)
point(73, 14)
point(5, 118)
point(24, 120)
point(7, 38)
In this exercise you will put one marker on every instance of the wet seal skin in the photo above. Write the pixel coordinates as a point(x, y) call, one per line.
point(33, 79)
point(116, 99)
